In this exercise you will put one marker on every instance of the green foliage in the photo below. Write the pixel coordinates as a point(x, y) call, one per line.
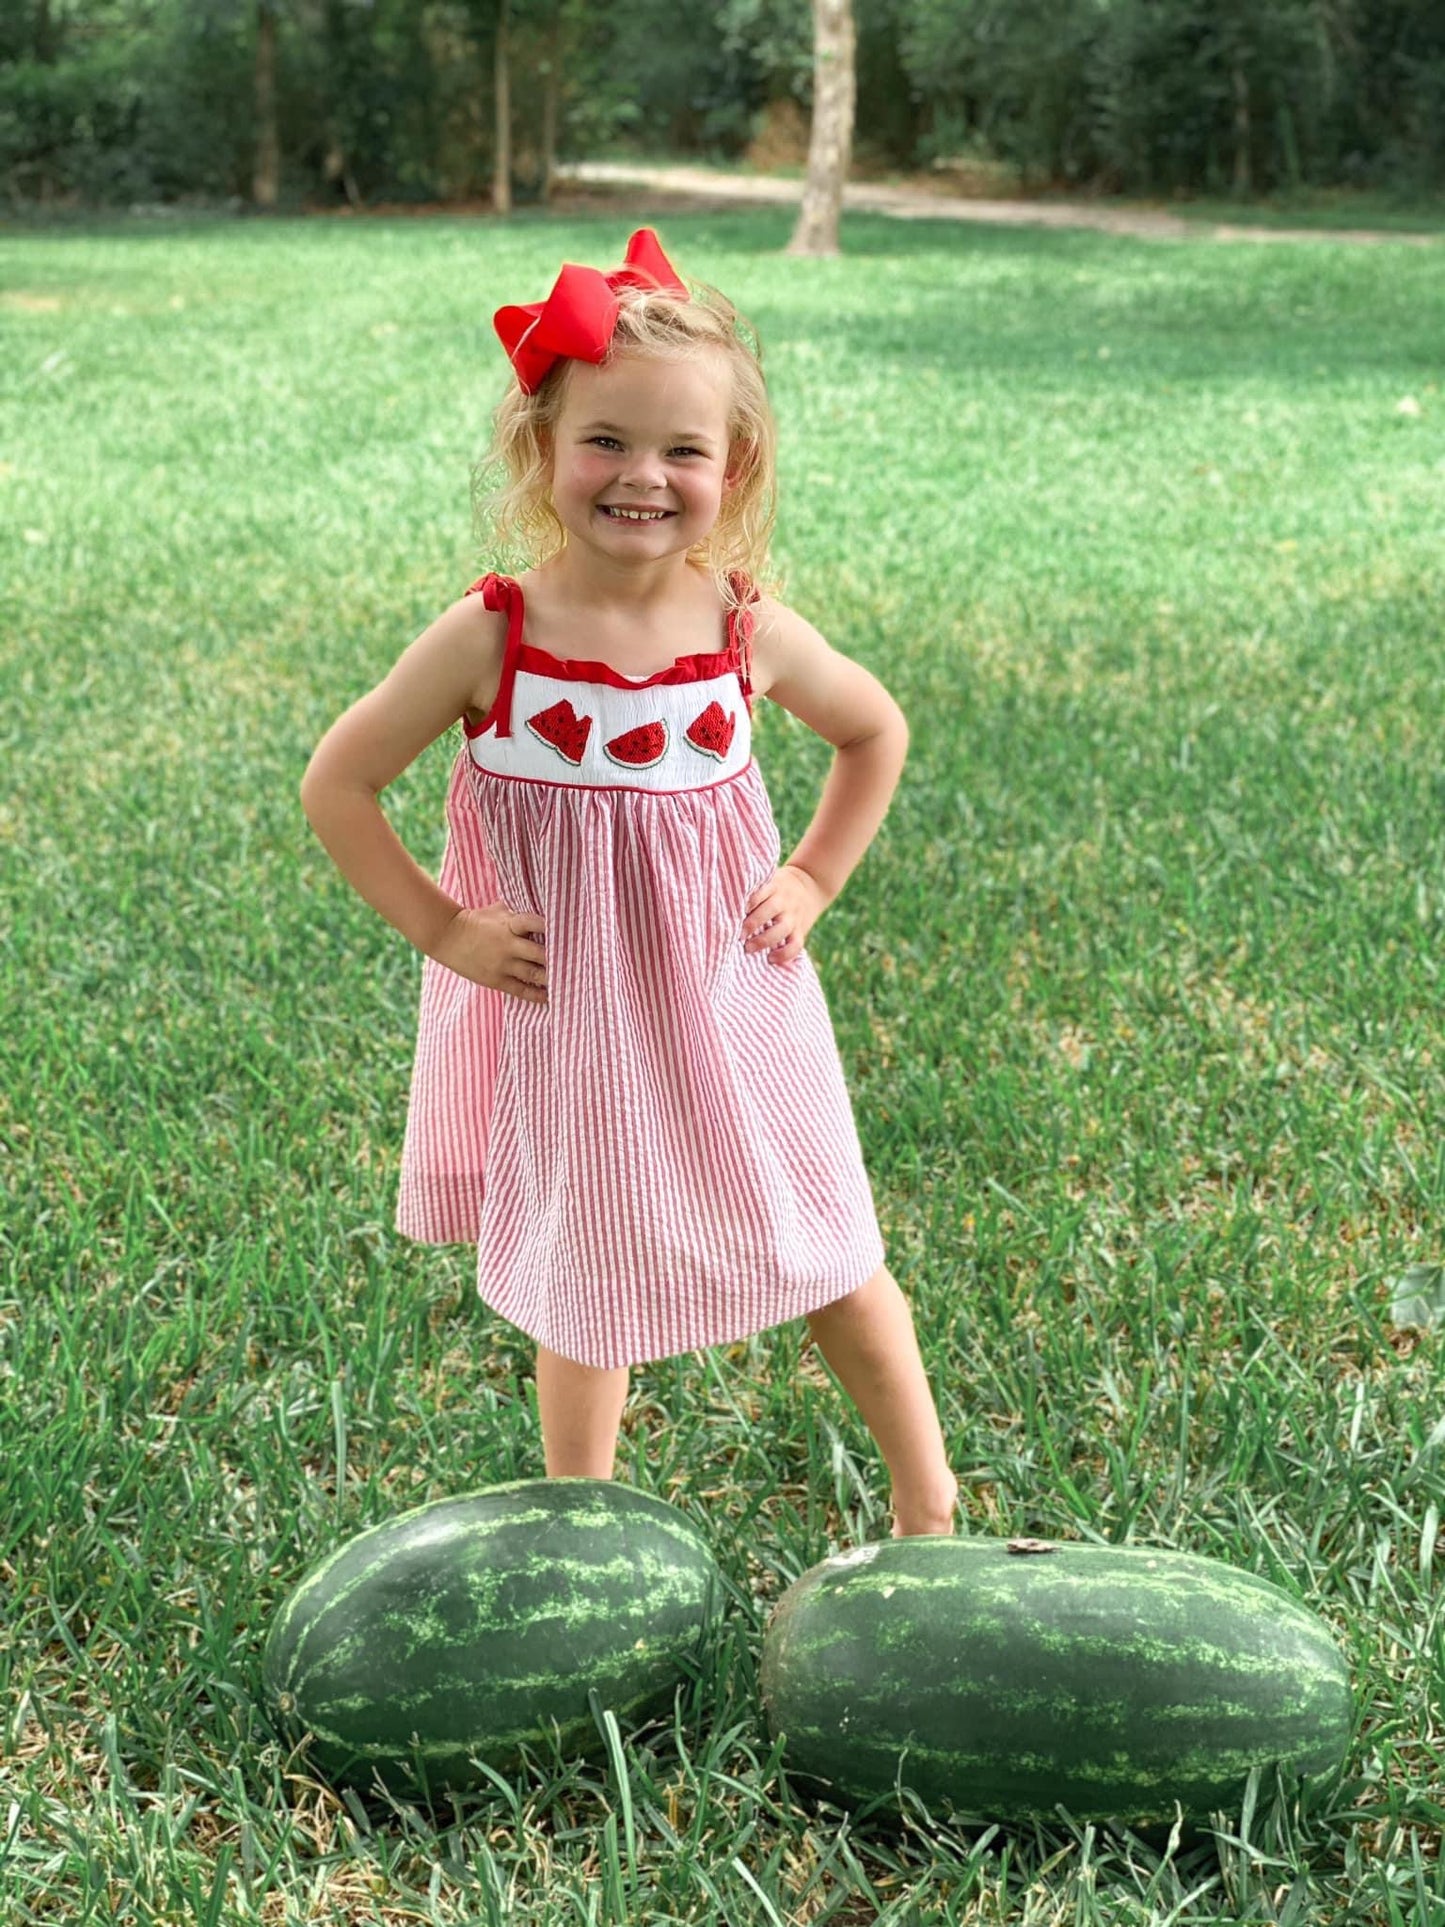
point(1196, 95)
point(391, 101)
point(147, 112)
point(775, 39)
point(115, 100)
point(1150, 94)
point(1006, 75)
point(687, 77)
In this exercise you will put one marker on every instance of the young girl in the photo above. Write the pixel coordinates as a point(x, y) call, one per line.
point(627, 1091)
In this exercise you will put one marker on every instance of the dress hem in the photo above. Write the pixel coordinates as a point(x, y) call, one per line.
point(438, 1213)
point(611, 1359)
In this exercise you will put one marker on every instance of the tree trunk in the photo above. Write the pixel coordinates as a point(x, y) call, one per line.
point(831, 140)
point(502, 164)
point(1242, 175)
point(551, 87)
point(336, 51)
point(266, 179)
point(336, 167)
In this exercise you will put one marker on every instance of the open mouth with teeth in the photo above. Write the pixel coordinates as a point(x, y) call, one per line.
point(619, 514)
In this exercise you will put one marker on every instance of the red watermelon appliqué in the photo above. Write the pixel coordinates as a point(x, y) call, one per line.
point(639, 748)
point(562, 729)
point(713, 731)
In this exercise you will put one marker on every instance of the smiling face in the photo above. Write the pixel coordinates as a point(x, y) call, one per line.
point(640, 455)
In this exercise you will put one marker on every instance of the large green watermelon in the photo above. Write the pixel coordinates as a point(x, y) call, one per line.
point(1114, 1682)
point(465, 1628)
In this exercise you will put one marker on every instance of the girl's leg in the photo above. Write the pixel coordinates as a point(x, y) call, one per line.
point(581, 1408)
point(869, 1341)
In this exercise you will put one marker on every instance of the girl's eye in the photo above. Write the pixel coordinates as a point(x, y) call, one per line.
point(611, 441)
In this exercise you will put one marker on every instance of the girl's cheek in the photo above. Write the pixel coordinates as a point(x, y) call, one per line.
point(591, 469)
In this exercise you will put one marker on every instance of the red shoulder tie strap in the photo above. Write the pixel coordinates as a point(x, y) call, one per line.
point(740, 632)
point(501, 592)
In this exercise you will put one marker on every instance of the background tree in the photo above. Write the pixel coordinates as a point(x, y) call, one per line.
point(550, 68)
point(266, 180)
point(502, 136)
point(830, 141)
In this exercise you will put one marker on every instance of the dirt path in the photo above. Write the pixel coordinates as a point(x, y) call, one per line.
point(704, 186)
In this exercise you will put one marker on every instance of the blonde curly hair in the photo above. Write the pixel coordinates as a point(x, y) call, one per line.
point(511, 486)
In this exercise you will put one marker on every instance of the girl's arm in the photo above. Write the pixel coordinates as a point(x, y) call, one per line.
point(850, 709)
point(453, 665)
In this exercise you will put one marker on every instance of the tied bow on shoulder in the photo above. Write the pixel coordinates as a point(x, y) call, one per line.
point(578, 317)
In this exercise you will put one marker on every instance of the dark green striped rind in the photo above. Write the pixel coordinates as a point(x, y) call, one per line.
point(465, 1628)
point(1114, 1682)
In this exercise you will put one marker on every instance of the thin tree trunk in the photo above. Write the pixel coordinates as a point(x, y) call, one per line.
point(502, 167)
point(1242, 175)
point(551, 87)
point(831, 140)
point(266, 179)
point(337, 165)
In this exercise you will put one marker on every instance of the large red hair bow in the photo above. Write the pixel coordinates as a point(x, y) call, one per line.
point(578, 317)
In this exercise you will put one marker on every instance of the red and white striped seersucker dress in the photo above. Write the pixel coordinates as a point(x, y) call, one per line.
point(662, 1156)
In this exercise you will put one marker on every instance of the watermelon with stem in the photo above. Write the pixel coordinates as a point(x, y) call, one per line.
point(1006, 1680)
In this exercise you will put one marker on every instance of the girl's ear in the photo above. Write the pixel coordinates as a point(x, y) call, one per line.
point(740, 461)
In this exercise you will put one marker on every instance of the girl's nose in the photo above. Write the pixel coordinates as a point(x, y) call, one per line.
point(643, 469)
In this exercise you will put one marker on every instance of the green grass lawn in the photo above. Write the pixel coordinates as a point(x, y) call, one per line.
point(1325, 208)
point(1138, 994)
